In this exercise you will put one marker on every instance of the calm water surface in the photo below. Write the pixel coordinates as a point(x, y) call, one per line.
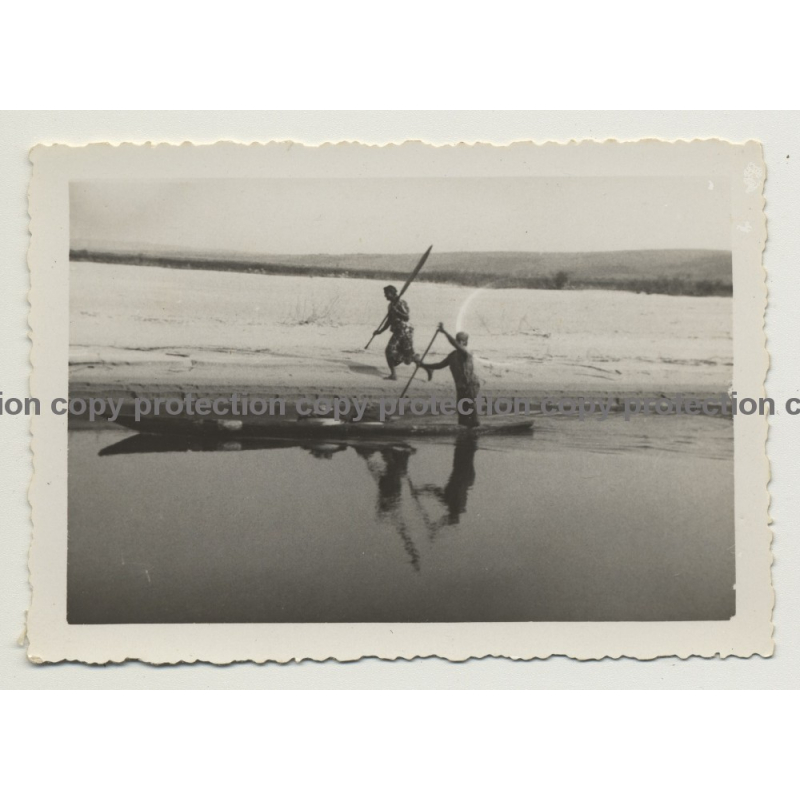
point(605, 520)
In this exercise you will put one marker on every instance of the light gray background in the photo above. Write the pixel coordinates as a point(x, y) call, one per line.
point(779, 133)
point(333, 215)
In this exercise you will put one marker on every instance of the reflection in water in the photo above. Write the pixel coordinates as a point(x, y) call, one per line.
point(454, 494)
point(615, 521)
point(387, 464)
point(389, 476)
point(146, 443)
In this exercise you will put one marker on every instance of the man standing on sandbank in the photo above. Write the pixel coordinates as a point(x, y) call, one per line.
point(463, 371)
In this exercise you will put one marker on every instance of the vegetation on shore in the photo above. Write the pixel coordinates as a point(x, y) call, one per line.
point(670, 272)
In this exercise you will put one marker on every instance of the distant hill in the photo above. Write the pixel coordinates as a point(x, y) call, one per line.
point(692, 272)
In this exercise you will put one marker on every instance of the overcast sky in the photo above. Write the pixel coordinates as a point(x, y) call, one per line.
point(390, 215)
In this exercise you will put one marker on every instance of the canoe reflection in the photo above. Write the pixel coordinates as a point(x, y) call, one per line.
point(387, 463)
point(147, 443)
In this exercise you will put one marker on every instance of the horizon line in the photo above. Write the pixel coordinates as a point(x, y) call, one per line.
point(410, 253)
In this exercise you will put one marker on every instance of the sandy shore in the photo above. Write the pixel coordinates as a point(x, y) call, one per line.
point(162, 331)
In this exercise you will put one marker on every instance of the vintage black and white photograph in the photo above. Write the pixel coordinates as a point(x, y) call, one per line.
point(402, 396)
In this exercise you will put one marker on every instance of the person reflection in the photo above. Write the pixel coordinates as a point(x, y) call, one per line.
point(324, 450)
point(390, 476)
point(453, 495)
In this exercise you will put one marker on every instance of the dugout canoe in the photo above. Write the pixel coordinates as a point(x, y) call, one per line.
point(325, 429)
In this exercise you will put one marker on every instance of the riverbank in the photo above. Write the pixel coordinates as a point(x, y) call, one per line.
point(155, 331)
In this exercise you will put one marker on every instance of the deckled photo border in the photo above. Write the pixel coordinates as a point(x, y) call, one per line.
point(51, 639)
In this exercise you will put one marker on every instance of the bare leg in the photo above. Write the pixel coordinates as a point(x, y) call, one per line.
point(392, 376)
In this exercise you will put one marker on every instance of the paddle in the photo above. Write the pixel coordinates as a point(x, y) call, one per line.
point(431, 526)
point(418, 363)
point(402, 291)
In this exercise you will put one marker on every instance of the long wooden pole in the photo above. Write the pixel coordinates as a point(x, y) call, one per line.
point(403, 290)
point(418, 363)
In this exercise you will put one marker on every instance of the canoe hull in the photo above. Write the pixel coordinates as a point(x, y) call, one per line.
point(329, 430)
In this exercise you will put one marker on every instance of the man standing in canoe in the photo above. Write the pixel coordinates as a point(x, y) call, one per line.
point(400, 349)
point(463, 371)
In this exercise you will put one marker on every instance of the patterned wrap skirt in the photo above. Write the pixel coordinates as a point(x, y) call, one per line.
point(400, 349)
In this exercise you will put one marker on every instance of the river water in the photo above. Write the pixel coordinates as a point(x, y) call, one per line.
point(585, 521)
